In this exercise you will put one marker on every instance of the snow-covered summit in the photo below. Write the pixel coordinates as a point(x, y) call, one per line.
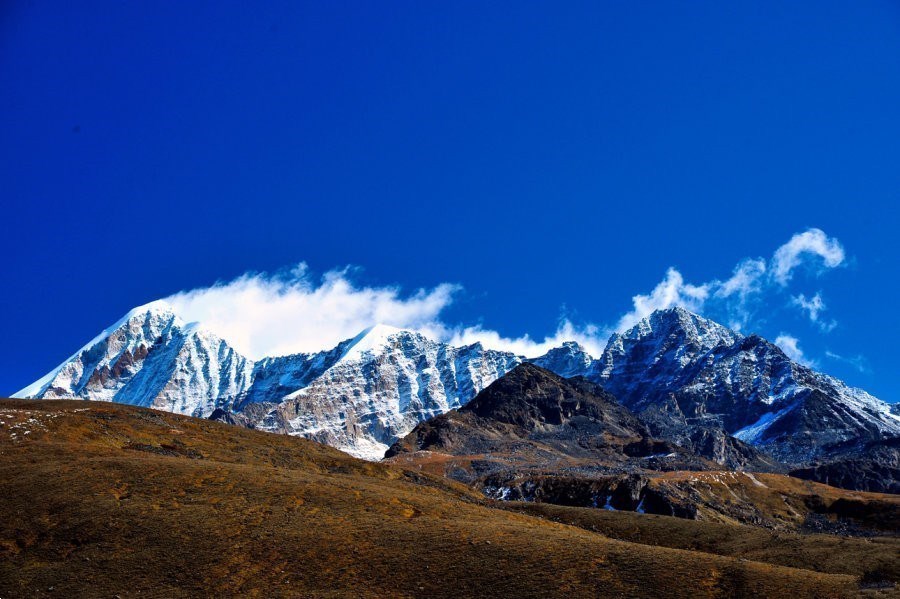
point(129, 332)
point(150, 357)
point(568, 360)
point(746, 384)
point(359, 396)
point(374, 339)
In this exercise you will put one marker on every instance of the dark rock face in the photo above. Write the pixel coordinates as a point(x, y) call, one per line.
point(534, 398)
point(677, 363)
point(536, 417)
point(220, 415)
point(624, 492)
point(873, 467)
point(704, 436)
point(535, 436)
point(531, 412)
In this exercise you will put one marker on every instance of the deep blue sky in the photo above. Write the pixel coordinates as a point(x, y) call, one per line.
point(543, 157)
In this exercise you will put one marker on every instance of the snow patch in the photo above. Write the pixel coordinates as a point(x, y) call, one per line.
point(753, 433)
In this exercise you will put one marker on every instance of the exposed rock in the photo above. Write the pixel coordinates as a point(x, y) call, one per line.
point(872, 467)
point(745, 385)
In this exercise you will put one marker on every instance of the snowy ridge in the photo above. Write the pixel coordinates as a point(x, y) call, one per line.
point(368, 391)
point(387, 381)
point(359, 396)
point(746, 384)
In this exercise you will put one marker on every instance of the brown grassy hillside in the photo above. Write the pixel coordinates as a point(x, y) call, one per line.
point(100, 500)
point(875, 557)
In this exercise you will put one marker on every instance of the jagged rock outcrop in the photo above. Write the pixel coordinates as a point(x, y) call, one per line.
point(531, 411)
point(874, 466)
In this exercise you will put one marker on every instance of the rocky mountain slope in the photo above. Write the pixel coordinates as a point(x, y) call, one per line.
point(536, 437)
point(874, 466)
point(704, 374)
point(532, 418)
point(691, 380)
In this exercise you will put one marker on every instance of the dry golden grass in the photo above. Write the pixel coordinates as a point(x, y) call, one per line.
point(100, 500)
point(870, 557)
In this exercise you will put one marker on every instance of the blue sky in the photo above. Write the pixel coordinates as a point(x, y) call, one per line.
point(520, 164)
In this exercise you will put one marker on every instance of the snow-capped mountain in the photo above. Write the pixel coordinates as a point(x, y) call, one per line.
point(151, 358)
point(567, 360)
point(387, 381)
point(746, 384)
point(680, 370)
point(360, 396)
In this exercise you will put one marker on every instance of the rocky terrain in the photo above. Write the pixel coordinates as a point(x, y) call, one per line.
point(536, 437)
point(533, 418)
point(706, 374)
point(874, 466)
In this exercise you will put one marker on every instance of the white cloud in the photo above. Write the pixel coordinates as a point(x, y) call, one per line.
point(261, 314)
point(268, 315)
point(670, 292)
point(791, 346)
point(737, 295)
point(810, 243)
point(747, 279)
point(814, 307)
point(751, 286)
point(590, 337)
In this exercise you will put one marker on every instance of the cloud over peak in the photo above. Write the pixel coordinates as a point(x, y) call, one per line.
point(753, 282)
point(264, 314)
point(295, 311)
point(790, 345)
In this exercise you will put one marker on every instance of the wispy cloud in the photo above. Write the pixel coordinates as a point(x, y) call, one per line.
point(809, 244)
point(589, 336)
point(293, 311)
point(859, 362)
point(671, 291)
point(791, 346)
point(264, 314)
point(753, 282)
point(814, 307)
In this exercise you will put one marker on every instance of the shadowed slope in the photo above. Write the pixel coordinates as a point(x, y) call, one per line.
point(532, 414)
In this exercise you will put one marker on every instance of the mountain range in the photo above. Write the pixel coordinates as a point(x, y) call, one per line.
point(689, 380)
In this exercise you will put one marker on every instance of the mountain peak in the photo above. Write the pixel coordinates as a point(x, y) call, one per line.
point(529, 413)
point(154, 307)
point(529, 394)
point(374, 339)
point(684, 324)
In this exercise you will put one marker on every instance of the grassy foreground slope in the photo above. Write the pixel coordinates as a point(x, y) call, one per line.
point(102, 500)
point(877, 559)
